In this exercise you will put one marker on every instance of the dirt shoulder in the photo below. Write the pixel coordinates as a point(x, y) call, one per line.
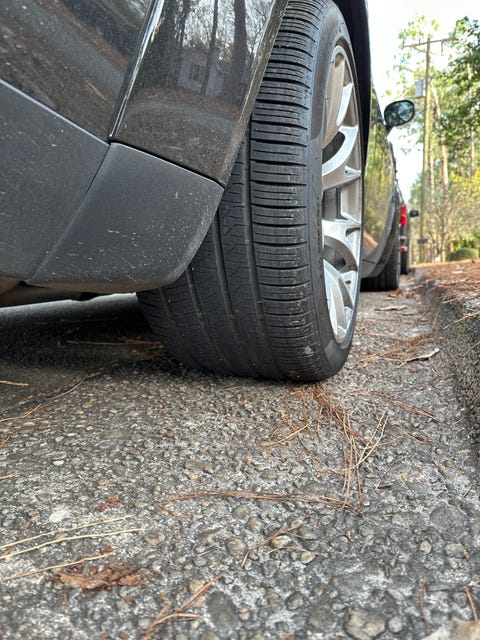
point(452, 291)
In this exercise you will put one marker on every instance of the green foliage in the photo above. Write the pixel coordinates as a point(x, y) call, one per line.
point(451, 184)
point(465, 253)
point(461, 86)
point(467, 190)
point(467, 240)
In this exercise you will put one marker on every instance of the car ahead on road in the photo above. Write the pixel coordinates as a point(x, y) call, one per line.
point(404, 238)
point(208, 155)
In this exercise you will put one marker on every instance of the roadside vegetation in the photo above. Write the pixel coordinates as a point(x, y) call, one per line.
point(442, 76)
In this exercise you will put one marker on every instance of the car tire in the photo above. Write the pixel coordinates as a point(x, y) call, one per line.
point(273, 289)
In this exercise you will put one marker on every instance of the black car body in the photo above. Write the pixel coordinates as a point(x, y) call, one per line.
point(120, 123)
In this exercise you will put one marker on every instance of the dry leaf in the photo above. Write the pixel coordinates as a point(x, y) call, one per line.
point(109, 503)
point(92, 578)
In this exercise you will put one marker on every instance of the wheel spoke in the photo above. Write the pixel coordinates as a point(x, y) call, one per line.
point(342, 237)
point(334, 98)
point(345, 103)
point(336, 171)
point(340, 302)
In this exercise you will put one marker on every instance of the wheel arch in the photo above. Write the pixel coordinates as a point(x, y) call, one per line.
point(195, 122)
point(158, 115)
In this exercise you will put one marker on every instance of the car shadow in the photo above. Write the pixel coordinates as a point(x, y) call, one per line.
point(48, 347)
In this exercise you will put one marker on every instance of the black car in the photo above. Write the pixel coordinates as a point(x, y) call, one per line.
point(209, 156)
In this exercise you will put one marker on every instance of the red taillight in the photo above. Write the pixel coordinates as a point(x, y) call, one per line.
point(403, 215)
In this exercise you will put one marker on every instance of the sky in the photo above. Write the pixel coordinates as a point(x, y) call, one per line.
point(387, 18)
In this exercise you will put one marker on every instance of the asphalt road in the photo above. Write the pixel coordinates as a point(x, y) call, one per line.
point(158, 503)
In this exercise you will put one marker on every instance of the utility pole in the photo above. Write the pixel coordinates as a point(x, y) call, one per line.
point(425, 193)
point(426, 151)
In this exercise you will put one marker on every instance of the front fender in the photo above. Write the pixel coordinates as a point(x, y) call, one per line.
point(191, 89)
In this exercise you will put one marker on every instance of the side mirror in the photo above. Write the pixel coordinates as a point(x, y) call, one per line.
point(414, 213)
point(398, 113)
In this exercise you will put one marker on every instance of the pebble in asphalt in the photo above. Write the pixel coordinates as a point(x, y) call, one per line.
point(233, 508)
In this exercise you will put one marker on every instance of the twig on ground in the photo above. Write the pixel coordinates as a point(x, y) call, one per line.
point(29, 523)
point(174, 513)
point(466, 316)
point(472, 484)
point(64, 530)
point(56, 397)
point(397, 352)
point(422, 356)
point(52, 567)
point(374, 442)
point(297, 421)
point(15, 384)
point(472, 348)
point(392, 307)
point(401, 404)
point(352, 464)
point(280, 532)
point(5, 440)
point(422, 600)
point(380, 484)
point(11, 554)
point(167, 614)
point(293, 434)
point(23, 416)
point(331, 411)
point(471, 603)
point(252, 495)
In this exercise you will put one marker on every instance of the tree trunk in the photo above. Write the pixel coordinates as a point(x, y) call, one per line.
point(234, 84)
point(211, 49)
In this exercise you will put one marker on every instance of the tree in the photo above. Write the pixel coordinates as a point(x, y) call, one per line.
point(455, 216)
point(211, 48)
point(239, 52)
point(462, 113)
point(448, 125)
